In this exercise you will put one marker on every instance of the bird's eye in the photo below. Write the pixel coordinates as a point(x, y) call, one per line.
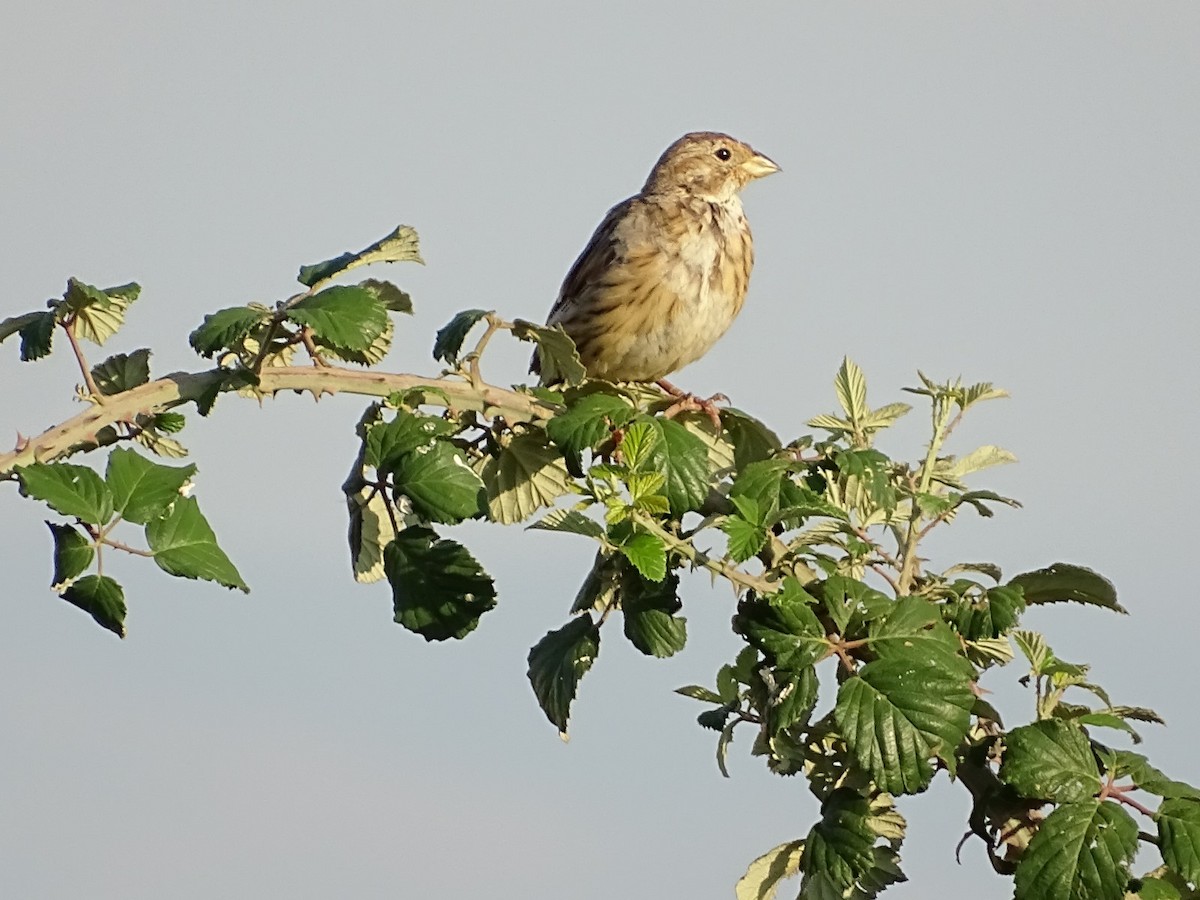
point(723, 153)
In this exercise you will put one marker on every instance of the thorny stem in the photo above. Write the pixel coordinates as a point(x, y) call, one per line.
point(69, 327)
point(494, 324)
point(118, 545)
point(701, 559)
point(306, 337)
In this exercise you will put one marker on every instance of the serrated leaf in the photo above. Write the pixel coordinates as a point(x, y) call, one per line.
point(683, 459)
point(141, 489)
point(75, 491)
point(1050, 760)
point(792, 698)
point(370, 531)
point(184, 545)
point(848, 600)
point(649, 610)
point(439, 590)
point(371, 356)
point(447, 345)
point(555, 358)
point(98, 312)
point(981, 458)
point(870, 470)
point(762, 878)
point(168, 422)
point(915, 626)
point(556, 664)
point(225, 328)
point(696, 692)
point(528, 475)
point(387, 442)
point(745, 538)
point(388, 294)
point(121, 372)
point(73, 552)
point(36, 330)
point(101, 598)
point(647, 554)
point(885, 416)
point(1179, 836)
point(441, 485)
point(343, 316)
point(570, 521)
point(752, 440)
point(898, 713)
point(839, 846)
point(1080, 852)
point(783, 626)
point(399, 246)
point(1063, 582)
point(587, 423)
point(851, 387)
point(991, 617)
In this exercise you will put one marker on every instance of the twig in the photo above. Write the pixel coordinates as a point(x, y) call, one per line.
point(306, 337)
point(701, 559)
point(69, 327)
point(494, 324)
point(117, 545)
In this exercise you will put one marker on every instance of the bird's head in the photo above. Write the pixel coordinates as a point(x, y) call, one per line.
point(708, 165)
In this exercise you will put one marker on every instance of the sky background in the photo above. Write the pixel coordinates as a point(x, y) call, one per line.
point(1009, 192)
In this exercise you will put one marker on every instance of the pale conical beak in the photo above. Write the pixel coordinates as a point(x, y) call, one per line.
point(759, 166)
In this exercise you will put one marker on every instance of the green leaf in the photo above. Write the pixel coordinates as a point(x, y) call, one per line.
point(556, 357)
point(839, 846)
point(343, 316)
point(851, 387)
point(870, 470)
point(441, 485)
point(570, 521)
point(1080, 852)
point(388, 442)
point(36, 330)
point(98, 312)
point(73, 552)
point(75, 491)
point(783, 626)
point(848, 600)
point(122, 372)
point(101, 598)
point(915, 626)
point(371, 356)
point(1050, 760)
point(528, 475)
point(764, 875)
point(647, 554)
point(683, 459)
point(399, 246)
point(897, 713)
point(649, 609)
point(1149, 779)
point(184, 545)
point(448, 343)
point(696, 692)
point(142, 490)
point(752, 440)
point(556, 664)
point(1062, 582)
point(991, 617)
point(792, 698)
point(225, 328)
point(745, 538)
point(388, 294)
point(587, 423)
point(1154, 889)
point(1179, 836)
point(438, 589)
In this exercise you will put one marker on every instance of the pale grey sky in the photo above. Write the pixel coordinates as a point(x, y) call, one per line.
point(1004, 191)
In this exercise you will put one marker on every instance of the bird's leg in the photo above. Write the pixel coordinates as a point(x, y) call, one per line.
point(687, 402)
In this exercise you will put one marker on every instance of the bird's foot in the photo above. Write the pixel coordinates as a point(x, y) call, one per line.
point(687, 402)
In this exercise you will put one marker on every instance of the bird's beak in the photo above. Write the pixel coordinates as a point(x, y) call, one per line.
point(759, 166)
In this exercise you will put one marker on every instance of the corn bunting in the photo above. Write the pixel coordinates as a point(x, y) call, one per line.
point(666, 272)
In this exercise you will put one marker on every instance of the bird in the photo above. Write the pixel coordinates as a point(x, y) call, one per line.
point(666, 271)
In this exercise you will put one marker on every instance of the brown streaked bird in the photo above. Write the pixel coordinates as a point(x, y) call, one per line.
point(666, 272)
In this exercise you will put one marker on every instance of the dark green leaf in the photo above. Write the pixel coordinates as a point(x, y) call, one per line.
point(447, 346)
point(839, 846)
point(714, 719)
point(389, 442)
point(995, 615)
point(1080, 852)
point(1062, 582)
point(438, 589)
point(752, 440)
point(441, 485)
point(71, 490)
point(899, 712)
point(101, 598)
point(792, 698)
point(569, 521)
point(1050, 760)
point(36, 330)
point(399, 246)
point(1179, 836)
point(184, 545)
point(783, 626)
point(647, 553)
point(142, 490)
point(850, 602)
point(556, 664)
point(1154, 889)
point(73, 552)
point(388, 294)
point(225, 328)
point(1151, 780)
point(343, 316)
point(914, 625)
point(121, 372)
point(683, 459)
point(588, 423)
point(649, 609)
point(556, 357)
